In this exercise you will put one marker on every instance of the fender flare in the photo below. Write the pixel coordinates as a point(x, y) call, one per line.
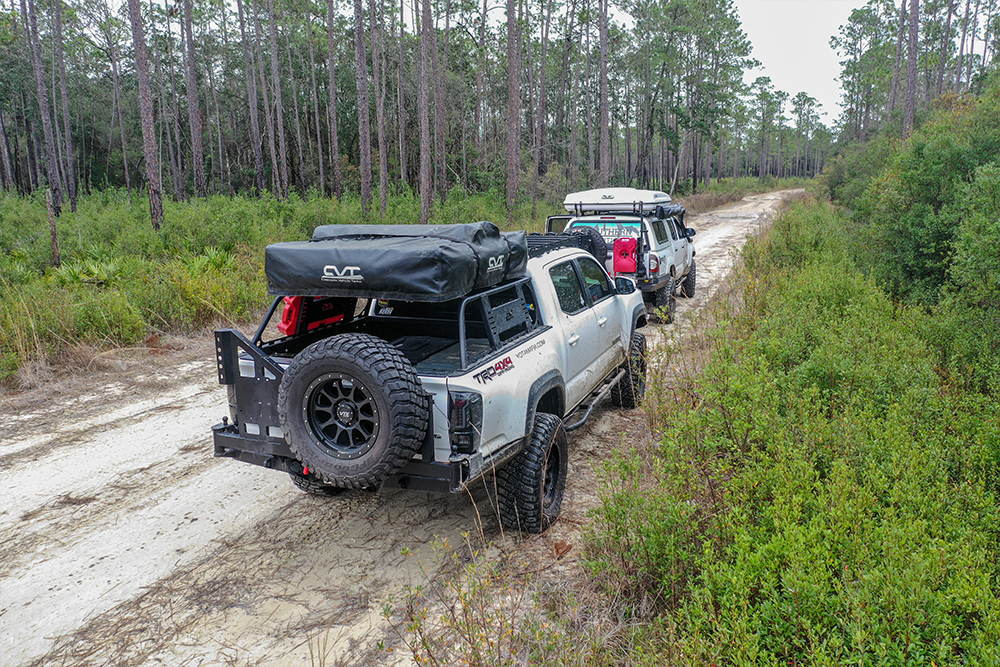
point(638, 314)
point(550, 380)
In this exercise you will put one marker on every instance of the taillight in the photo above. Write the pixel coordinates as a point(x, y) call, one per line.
point(654, 265)
point(465, 421)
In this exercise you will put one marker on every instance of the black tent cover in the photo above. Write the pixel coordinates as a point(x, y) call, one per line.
point(407, 262)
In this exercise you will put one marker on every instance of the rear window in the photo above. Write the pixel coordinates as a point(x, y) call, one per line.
point(612, 229)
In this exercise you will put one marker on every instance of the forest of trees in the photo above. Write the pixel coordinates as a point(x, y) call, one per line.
point(189, 98)
point(894, 68)
point(197, 97)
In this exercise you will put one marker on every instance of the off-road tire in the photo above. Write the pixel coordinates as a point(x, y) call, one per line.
point(631, 389)
point(314, 487)
point(688, 284)
point(352, 410)
point(664, 305)
point(597, 246)
point(531, 486)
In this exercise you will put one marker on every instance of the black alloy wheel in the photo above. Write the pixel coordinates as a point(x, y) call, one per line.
point(342, 414)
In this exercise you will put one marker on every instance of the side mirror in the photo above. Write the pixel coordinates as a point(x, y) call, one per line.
point(689, 232)
point(624, 285)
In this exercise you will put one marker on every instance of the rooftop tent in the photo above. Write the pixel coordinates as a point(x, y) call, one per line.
point(622, 200)
point(408, 262)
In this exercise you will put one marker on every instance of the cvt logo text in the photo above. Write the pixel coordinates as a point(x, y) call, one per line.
point(496, 264)
point(348, 274)
point(492, 372)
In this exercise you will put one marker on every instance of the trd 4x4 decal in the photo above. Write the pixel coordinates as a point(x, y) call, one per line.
point(494, 371)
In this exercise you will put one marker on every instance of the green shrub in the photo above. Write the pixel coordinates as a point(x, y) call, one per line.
point(842, 492)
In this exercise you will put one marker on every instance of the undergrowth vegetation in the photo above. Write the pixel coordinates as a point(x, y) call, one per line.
point(120, 281)
point(824, 492)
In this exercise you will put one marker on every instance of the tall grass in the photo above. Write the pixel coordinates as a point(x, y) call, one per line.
point(121, 281)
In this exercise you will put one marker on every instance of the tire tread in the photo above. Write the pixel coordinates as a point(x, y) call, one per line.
point(520, 482)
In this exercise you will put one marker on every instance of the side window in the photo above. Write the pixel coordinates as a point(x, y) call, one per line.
point(595, 280)
point(659, 231)
point(673, 229)
point(567, 288)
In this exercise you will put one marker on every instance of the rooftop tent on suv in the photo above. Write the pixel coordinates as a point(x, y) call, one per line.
point(620, 200)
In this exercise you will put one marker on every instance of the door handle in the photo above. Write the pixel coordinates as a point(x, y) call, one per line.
point(574, 339)
point(602, 321)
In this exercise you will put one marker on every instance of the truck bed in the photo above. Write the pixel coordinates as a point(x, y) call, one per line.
point(431, 355)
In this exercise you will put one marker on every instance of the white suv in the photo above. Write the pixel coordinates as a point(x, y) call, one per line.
point(645, 239)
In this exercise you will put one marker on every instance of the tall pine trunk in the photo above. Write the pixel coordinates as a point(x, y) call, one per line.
point(43, 104)
point(513, 107)
point(194, 106)
point(116, 87)
point(945, 48)
point(279, 109)
point(378, 77)
point(364, 119)
point(909, 101)
point(153, 185)
point(961, 47)
point(539, 134)
point(175, 113)
point(972, 45)
point(295, 109)
point(272, 150)
point(401, 101)
point(315, 101)
point(70, 166)
point(605, 149)
point(338, 187)
point(423, 113)
point(165, 114)
point(255, 138)
point(9, 180)
point(899, 56)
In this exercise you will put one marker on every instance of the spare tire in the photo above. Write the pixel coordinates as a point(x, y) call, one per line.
point(352, 410)
point(596, 245)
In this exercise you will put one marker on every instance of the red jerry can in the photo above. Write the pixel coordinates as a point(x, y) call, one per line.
point(624, 255)
point(289, 325)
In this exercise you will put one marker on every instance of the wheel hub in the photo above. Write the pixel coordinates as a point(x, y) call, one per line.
point(347, 413)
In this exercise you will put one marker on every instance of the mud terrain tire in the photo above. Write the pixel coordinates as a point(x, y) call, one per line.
point(631, 389)
point(352, 410)
point(688, 284)
point(664, 304)
point(531, 487)
point(597, 246)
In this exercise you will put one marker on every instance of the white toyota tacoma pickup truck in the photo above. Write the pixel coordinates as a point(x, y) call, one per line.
point(645, 239)
point(429, 357)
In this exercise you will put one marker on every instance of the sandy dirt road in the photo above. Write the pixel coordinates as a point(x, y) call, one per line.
point(124, 542)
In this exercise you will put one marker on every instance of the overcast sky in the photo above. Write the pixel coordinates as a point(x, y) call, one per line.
point(791, 39)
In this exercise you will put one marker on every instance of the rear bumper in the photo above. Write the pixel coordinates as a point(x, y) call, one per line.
point(652, 284)
point(416, 474)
